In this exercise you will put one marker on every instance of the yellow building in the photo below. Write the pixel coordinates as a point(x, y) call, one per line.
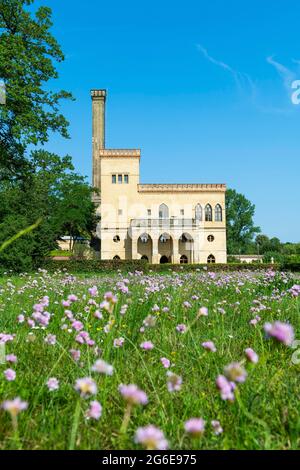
point(174, 223)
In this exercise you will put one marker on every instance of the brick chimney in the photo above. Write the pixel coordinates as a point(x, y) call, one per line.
point(98, 132)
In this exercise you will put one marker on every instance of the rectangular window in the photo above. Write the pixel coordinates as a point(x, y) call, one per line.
point(181, 211)
point(126, 179)
point(113, 179)
point(120, 212)
point(149, 212)
point(120, 179)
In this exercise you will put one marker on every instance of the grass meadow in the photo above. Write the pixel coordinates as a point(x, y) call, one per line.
point(69, 346)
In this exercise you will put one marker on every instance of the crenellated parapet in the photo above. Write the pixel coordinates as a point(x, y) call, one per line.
point(119, 153)
point(167, 188)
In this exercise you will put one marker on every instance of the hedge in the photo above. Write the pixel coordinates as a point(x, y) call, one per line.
point(212, 267)
point(295, 267)
point(107, 266)
point(94, 266)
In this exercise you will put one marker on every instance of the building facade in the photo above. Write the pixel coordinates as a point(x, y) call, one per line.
point(162, 223)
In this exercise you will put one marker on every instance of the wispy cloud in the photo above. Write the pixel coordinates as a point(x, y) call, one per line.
point(286, 74)
point(214, 61)
point(242, 80)
point(250, 88)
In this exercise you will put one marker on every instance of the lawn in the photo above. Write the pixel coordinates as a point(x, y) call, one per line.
point(180, 338)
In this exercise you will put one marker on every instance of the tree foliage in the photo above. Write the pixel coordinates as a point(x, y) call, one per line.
point(240, 225)
point(28, 57)
point(52, 192)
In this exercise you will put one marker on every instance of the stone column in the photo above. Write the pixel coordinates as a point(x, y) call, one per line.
point(175, 257)
point(134, 248)
point(98, 133)
point(155, 254)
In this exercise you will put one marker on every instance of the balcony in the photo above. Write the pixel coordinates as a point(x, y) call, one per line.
point(172, 223)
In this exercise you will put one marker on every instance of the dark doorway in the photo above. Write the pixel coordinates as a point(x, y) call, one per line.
point(164, 259)
point(145, 257)
point(183, 259)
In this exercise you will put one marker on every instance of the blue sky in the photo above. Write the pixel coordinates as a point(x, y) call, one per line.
point(202, 87)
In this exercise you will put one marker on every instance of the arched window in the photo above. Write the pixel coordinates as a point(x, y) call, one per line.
point(164, 238)
point(208, 213)
point(183, 238)
point(144, 238)
point(145, 258)
point(163, 211)
point(198, 213)
point(183, 259)
point(211, 259)
point(116, 258)
point(218, 213)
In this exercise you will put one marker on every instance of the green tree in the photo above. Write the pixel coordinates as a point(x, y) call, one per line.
point(28, 53)
point(240, 225)
point(52, 192)
point(266, 244)
point(262, 243)
point(75, 213)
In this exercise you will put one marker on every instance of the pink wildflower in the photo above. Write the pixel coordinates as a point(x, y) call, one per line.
point(53, 384)
point(283, 332)
point(203, 311)
point(165, 362)
point(86, 387)
point(174, 382)
point(210, 346)
point(4, 338)
point(151, 438)
point(216, 427)
point(14, 407)
point(235, 372)
point(102, 367)
point(50, 339)
point(95, 410)
point(75, 353)
point(181, 328)
point(11, 358)
point(77, 325)
point(195, 426)
point(226, 388)
point(251, 355)
point(133, 395)
point(72, 298)
point(119, 342)
point(93, 291)
point(10, 375)
point(147, 345)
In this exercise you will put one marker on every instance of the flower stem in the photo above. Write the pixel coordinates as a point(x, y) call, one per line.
point(16, 439)
point(126, 418)
point(74, 426)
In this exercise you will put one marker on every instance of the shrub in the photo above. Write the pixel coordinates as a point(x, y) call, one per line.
point(94, 266)
point(295, 267)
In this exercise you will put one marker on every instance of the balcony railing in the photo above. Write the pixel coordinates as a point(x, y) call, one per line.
point(172, 223)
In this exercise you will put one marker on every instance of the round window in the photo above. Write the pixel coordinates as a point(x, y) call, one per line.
point(116, 238)
point(210, 238)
